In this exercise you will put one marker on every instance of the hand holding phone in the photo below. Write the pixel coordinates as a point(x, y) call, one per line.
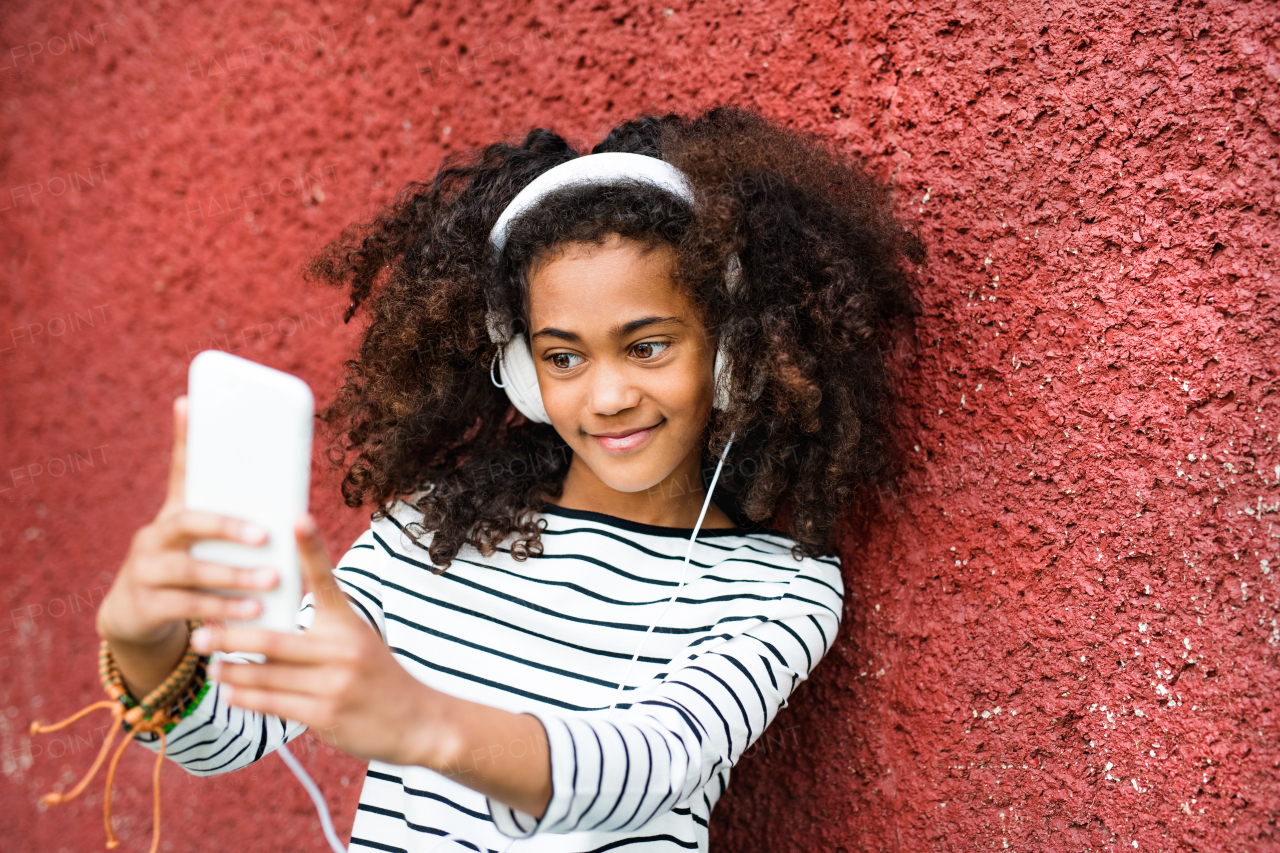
point(165, 578)
point(160, 585)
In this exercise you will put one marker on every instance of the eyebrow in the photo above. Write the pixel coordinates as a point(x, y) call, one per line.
point(621, 330)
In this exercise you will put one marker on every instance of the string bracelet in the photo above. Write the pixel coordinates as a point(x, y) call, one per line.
point(157, 713)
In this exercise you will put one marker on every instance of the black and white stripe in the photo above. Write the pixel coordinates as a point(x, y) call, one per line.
point(552, 636)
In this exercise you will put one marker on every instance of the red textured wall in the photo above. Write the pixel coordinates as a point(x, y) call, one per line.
point(1061, 632)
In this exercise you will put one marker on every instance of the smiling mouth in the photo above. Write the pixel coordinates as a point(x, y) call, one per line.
point(624, 443)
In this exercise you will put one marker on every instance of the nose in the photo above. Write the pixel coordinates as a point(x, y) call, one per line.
point(612, 389)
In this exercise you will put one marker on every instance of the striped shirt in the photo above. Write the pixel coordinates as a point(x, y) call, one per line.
point(553, 636)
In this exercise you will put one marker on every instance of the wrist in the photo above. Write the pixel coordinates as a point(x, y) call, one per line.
point(144, 665)
point(433, 739)
point(117, 622)
point(158, 639)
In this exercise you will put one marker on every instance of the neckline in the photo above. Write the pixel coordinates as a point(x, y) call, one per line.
point(650, 529)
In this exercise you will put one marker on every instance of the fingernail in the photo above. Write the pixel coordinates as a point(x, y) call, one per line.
point(214, 670)
point(252, 533)
point(266, 578)
point(308, 525)
point(200, 640)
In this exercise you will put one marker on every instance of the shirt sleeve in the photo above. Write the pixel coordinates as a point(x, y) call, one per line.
point(217, 737)
point(618, 774)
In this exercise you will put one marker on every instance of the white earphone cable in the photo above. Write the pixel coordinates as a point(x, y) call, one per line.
point(322, 808)
point(688, 552)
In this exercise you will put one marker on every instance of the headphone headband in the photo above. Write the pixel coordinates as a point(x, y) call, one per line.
point(605, 168)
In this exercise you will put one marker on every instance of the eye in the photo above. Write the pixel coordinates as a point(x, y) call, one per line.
point(560, 365)
point(647, 349)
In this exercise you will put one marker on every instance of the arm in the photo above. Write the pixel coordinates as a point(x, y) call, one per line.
point(594, 773)
point(618, 774)
point(500, 754)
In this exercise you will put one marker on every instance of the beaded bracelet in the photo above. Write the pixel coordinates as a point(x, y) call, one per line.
point(177, 696)
point(157, 713)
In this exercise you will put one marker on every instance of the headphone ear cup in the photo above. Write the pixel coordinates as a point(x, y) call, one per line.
point(733, 273)
point(520, 377)
point(721, 377)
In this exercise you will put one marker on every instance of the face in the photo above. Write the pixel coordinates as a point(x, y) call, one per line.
point(623, 359)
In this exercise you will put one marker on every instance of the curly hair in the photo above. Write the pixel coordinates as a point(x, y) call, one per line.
point(822, 282)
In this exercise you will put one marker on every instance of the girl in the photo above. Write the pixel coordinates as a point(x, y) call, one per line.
point(550, 632)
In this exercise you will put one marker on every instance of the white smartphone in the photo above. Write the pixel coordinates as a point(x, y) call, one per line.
point(249, 432)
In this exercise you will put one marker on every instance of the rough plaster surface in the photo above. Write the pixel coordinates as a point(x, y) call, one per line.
point(1061, 630)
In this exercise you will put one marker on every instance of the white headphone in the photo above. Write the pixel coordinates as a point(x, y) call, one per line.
point(520, 377)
